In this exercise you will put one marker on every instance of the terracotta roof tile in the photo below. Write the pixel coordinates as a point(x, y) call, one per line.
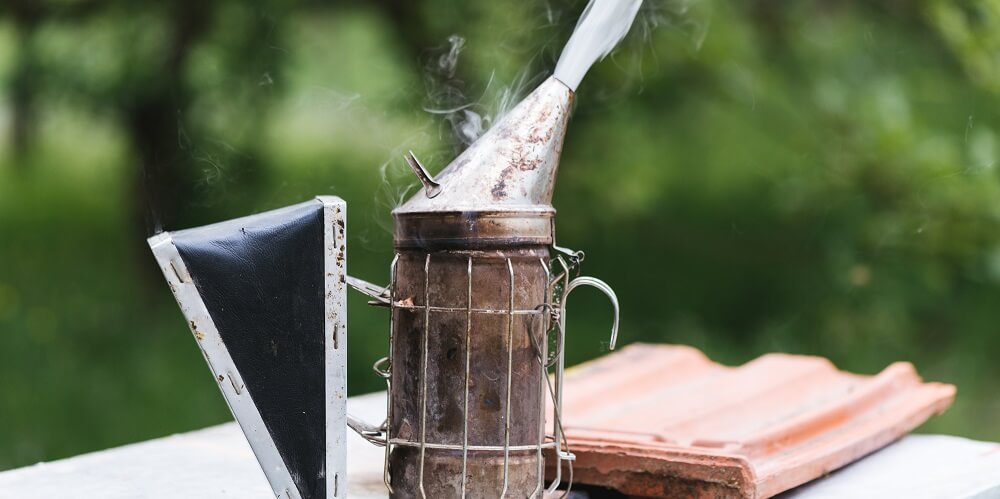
point(664, 420)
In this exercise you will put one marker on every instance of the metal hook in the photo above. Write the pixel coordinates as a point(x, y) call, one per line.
point(379, 295)
point(431, 188)
point(386, 372)
point(367, 431)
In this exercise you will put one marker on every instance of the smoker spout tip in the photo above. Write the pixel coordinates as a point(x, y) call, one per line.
point(569, 88)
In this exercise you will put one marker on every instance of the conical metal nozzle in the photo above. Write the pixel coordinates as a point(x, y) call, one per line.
point(499, 190)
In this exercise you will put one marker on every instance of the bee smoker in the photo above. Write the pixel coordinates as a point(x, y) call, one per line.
point(476, 297)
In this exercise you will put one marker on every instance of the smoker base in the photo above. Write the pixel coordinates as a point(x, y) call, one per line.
point(443, 474)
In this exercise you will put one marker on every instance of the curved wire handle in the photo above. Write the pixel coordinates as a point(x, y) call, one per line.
point(566, 455)
point(594, 283)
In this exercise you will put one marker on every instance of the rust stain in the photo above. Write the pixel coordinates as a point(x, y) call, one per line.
point(194, 328)
point(519, 161)
point(499, 190)
point(542, 132)
point(663, 420)
point(543, 115)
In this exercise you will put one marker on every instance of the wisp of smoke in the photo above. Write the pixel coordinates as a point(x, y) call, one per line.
point(468, 117)
point(447, 96)
point(603, 24)
point(449, 61)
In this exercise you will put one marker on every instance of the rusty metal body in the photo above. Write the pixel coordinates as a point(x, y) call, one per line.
point(475, 301)
point(467, 372)
point(471, 306)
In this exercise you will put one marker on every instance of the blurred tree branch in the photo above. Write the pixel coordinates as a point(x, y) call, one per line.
point(152, 94)
point(972, 31)
point(27, 15)
point(152, 116)
point(409, 26)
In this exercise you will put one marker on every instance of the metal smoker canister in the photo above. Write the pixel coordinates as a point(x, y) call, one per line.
point(470, 309)
point(482, 352)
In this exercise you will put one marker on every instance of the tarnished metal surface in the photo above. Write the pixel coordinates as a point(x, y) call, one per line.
point(465, 372)
point(335, 351)
point(471, 307)
point(474, 229)
point(499, 190)
point(512, 166)
point(472, 300)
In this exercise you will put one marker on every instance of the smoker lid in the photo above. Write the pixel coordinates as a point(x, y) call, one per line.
point(512, 167)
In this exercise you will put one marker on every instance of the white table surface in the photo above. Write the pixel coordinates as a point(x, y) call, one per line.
point(216, 462)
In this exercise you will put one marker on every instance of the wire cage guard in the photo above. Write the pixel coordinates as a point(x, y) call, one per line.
point(426, 453)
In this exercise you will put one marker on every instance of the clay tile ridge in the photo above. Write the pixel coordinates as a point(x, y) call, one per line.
point(665, 421)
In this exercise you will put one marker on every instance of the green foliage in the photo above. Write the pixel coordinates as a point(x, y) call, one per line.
point(814, 178)
point(972, 30)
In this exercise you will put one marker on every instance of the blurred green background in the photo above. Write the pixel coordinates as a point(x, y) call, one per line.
point(815, 177)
